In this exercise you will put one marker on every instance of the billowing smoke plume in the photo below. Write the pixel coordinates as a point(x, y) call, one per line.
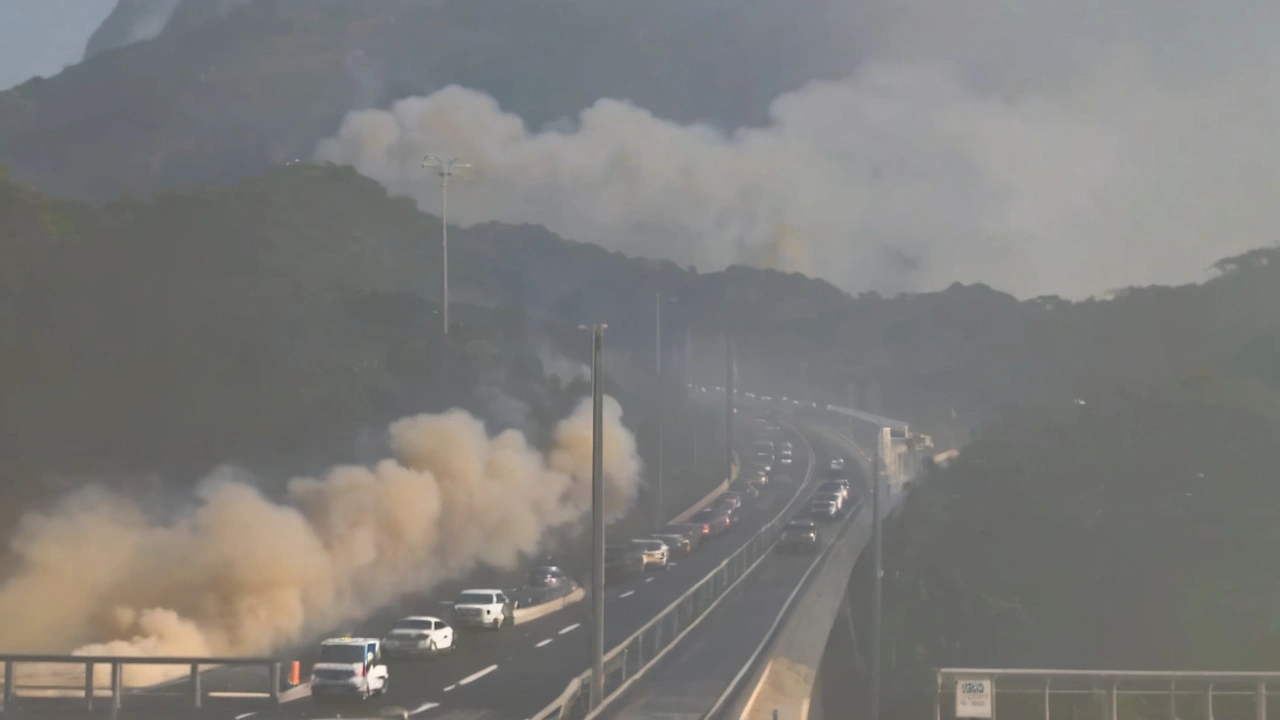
point(1067, 148)
point(240, 573)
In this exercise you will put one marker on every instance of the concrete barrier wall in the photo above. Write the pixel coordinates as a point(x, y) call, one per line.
point(785, 681)
point(523, 615)
point(715, 492)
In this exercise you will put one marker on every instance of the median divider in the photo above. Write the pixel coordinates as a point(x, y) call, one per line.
point(527, 614)
point(715, 492)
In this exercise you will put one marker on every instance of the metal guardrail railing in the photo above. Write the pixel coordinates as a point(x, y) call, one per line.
point(631, 658)
point(116, 689)
point(1111, 694)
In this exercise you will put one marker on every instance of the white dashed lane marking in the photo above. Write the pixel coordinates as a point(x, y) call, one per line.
point(628, 593)
point(424, 707)
point(570, 628)
point(450, 688)
point(544, 643)
point(477, 675)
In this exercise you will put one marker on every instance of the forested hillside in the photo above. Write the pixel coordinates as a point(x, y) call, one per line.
point(296, 309)
point(1135, 531)
point(221, 96)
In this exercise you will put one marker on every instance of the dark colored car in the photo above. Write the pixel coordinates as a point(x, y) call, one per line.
point(731, 497)
point(622, 563)
point(799, 536)
point(548, 576)
point(713, 520)
point(692, 531)
point(733, 509)
point(678, 545)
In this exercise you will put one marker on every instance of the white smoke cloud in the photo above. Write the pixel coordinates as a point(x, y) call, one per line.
point(241, 574)
point(1068, 148)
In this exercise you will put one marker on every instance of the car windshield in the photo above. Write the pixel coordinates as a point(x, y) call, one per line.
point(475, 598)
point(346, 654)
point(334, 675)
point(649, 544)
point(412, 625)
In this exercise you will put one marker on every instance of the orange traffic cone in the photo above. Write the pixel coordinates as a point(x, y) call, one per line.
point(295, 673)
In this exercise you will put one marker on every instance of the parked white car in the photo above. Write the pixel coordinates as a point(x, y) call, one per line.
point(418, 636)
point(349, 668)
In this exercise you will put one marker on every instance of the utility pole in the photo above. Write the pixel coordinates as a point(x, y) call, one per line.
point(877, 573)
point(445, 168)
point(728, 406)
point(597, 516)
point(657, 345)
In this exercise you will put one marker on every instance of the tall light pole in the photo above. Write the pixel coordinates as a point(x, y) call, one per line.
point(728, 405)
point(596, 693)
point(876, 573)
point(657, 349)
point(444, 167)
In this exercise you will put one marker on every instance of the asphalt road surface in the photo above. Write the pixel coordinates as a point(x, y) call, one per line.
point(687, 682)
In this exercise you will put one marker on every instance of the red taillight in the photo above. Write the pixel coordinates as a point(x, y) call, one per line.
point(706, 529)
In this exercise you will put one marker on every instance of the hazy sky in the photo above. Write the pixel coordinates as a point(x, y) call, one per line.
point(40, 37)
point(1040, 146)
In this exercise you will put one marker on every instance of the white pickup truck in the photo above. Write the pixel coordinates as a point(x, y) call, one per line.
point(349, 667)
point(482, 608)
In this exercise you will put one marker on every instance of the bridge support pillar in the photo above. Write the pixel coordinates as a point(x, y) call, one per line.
point(117, 686)
point(1260, 702)
point(8, 685)
point(1208, 702)
point(1111, 711)
point(196, 692)
point(88, 686)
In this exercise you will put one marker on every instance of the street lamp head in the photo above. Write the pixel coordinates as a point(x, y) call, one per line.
point(432, 161)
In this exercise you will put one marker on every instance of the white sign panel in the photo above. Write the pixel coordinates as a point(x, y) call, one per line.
point(974, 697)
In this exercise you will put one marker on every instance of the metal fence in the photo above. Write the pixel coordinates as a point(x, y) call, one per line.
point(1015, 694)
point(49, 677)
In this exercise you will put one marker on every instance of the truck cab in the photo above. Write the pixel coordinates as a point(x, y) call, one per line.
point(349, 668)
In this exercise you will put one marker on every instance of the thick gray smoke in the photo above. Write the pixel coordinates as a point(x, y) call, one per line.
point(1067, 148)
point(241, 573)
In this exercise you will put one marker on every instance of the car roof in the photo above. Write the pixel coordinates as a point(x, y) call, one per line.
point(419, 618)
point(349, 641)
point(802, 523)
point(479, 590)
point(551, 568)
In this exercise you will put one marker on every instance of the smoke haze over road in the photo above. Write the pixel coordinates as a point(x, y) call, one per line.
point(240, 573)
